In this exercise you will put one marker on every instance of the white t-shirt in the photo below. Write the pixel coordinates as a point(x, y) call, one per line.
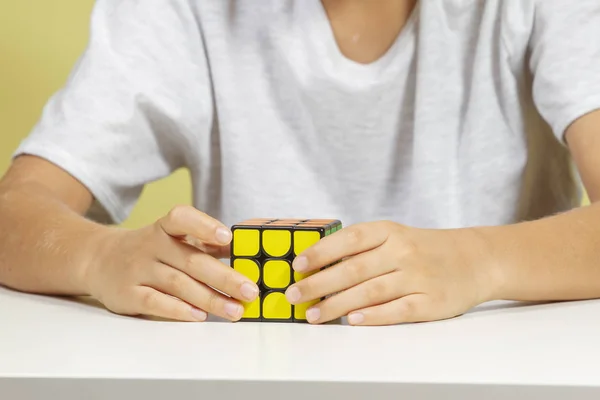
point(256, 99)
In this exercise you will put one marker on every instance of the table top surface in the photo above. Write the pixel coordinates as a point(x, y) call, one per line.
point(496, 343)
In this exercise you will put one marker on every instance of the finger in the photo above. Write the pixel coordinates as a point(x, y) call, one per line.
point(373, 292)
point(217, 251)
point(412, 308)
point(347, 242)
point(207, 269)
point(175, 283)
point(342, 276)
point(151, 302)
point(186, 220)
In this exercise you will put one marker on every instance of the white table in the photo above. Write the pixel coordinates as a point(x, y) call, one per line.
point(69, 349)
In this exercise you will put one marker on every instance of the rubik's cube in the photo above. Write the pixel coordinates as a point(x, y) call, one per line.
point(263, 250)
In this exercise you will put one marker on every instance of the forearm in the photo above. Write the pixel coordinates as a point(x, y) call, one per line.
point(44, 246)
point(556, 258)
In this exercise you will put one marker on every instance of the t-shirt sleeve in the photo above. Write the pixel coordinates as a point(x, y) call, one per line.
point(132, 105)
point(565, 60)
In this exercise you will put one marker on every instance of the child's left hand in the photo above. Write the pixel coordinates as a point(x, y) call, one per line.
point(392, 274)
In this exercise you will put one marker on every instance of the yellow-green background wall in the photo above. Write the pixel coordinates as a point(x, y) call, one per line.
point(40, 40)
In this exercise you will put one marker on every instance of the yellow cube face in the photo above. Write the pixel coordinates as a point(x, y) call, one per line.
point(263, 250)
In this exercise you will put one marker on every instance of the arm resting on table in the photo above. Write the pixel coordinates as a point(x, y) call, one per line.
point(45, 241)
point(558, 257)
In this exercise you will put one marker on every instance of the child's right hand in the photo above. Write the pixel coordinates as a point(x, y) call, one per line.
point(170, 270)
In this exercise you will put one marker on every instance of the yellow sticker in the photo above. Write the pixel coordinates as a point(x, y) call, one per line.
point(248, 268)
point(246, 242)
point(298, 276)
point(276, 306)
point(252, 309)
point(304, 239)
point(300, 309)
point(277, 242)
point(277, 274)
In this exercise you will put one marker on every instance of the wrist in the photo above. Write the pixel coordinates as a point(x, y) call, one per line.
point(480, 250)
point(95, 249)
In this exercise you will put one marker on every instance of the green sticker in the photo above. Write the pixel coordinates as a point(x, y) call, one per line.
point(327, 232)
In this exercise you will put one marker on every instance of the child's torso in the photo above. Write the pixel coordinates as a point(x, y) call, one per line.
point(431, 134)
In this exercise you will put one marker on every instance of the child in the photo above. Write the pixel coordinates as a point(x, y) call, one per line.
point(442, 131)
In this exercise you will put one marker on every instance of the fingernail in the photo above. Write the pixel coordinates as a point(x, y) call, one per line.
point(223, 235)
point(313, 314)
point(234, 310)
point(249, 291)
point(300, 263)
point(293, 294)
point(198, 314)
point(356, 318)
